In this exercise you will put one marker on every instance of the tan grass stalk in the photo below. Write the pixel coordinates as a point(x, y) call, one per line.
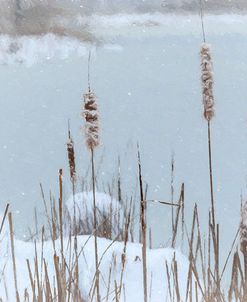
point(91, 115)
point(172, 187)
point(175, 277)
point(31, 279)
point(126, 237)
point(13, 255)
point(119, 181)
point(243, 243)
point(71, 157)
point(108, 283)
point(4, 217)
point(61, 211)
point(95, 229)
point(208, 102)
point(47, 215)
point(233, 290)
point(72, 169)
point(47, 284)
point(143, 208)
point(168, 276)
point(180, 204)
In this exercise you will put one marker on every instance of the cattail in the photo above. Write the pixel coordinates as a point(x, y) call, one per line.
point(71, 158)
point(207, 81)
point(91, 115)
point(243, 228)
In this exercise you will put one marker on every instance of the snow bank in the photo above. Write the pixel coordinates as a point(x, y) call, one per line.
point(111, 255)
point(132, 277)
point(81, 32)
point(29, 50)
point(166, 24)
point(108, 208)
point(84, 204)
point(34, 49)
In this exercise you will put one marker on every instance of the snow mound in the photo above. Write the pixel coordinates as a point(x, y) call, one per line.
point(112, 255)
point(109, 212)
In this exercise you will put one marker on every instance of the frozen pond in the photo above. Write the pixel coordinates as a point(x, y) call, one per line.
point(147, 79)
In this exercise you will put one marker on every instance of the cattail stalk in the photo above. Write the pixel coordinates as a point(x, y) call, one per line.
point(143, 218)
point(90, 113)
point(95, 228)
point(72, 169)
point(243, 244)
point(13, 255)
point(172, 188)
point(71, 157)
point(208, 102)
point(61, 216)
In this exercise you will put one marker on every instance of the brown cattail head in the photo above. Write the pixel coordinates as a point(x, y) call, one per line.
point(243, 228)
point(91, 115)
point(207, 81)
point(71, 158)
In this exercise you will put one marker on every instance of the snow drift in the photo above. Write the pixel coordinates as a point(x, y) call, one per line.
point(110, 213)
point(160, 262)
point(112, 258)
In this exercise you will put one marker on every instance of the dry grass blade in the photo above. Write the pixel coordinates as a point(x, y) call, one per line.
point(181, 201)
point(13, 255)
point(143, 207)
point(4, 217)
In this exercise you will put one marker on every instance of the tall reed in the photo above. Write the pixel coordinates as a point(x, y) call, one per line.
point(72, 169)
point(143, 232)
point(207, 80)
point(243, 243)
point(11, 231)
point(208, 102)
point(91, 115)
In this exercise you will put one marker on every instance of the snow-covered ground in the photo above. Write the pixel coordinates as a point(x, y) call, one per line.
point(110, 255)
point(104, 30)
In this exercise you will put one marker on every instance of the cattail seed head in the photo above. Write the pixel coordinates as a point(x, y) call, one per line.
point(243, 228)
point(207, 81)
point(71, 158)
point(91, 115)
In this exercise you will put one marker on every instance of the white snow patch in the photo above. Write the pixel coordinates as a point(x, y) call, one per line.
point(132, 277)
point(166, 24)
point(33, 49)
point(107, 207)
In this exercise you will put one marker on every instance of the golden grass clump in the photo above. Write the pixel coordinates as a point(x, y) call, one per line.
point(91, 115)
point(207, 81)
